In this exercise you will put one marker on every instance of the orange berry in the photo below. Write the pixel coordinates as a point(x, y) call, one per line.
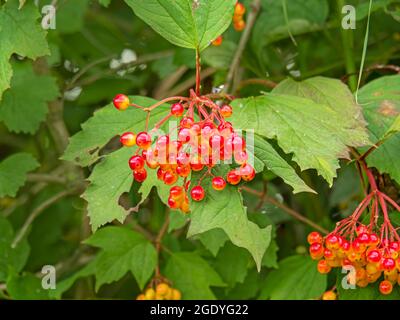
point(217, 42)
point(385, 287)
point(329, 295)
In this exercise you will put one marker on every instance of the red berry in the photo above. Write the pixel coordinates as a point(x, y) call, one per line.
point(184, 135)
point(323, 267)
point(385, 287)
point(361, 229)
point(374, 256)
point(140, 175)
point(395, 245)
point(128, 139)
point(136, 162)
point(197, 193)
point(160, 174)
point(239, 25)
point(218, 183)
point(238, 144)
point(162, 142)
point(363, 238)
point(143, 140)
point(216, 142)
point(197, 166)
point(241, 157)
point(226, 111)
point(177, 109)
point(388, 264)
point(314, 237)
point(186, 122)
point(121, 102)
point(373, 239)
point(233, 177)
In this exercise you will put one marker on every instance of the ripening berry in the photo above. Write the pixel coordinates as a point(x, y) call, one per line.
point(316, 250)
point(160, 174)
point(140, 175)
point(197, 166)
point(186, 122)
point(143, 140)
point(150, 294)
point(162, 289)
point(238, 144)
point(121, 102)
point(176, 192)
point(239, 25)
point(241, 157)
point(218, 183)
point(226, 111)
point(329, 254)
point(332, 242)
point(240, 9)
point(174, 203)
point(217, 42)
point(177, 109)
point(197, 193)
point(395, 246)
point(136, 162)
point(141, 297)
point(233, 177)
point(373, 239)
point(329, 295)
point(314, 237)
point(170, 178)
point(363, 238)
point(183, 170)
point(176, 294)
point(185, 206)
point(128, 139)
point(385, 287)
point(372, 268)
point(323, 267)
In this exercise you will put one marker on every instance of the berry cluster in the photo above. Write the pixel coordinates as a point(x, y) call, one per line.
point(373, 250)
point(161, 291)
point(238, 22)
point(193, 145)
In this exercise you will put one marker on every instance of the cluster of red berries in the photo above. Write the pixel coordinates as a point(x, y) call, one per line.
point(161, 291)
point(371, 257)
point(238, 22)
point(196, 145)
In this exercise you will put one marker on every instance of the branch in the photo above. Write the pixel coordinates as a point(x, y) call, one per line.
point(46, 177)
point(35, 213)
point(251, 19)
point(285, 208)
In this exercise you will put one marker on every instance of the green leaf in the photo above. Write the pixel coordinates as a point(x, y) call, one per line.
point(123, 250)
point(192, 275)
point(231, 263)
point(24, 106)
point(337, 96)
point(105, 3)
point(13, 259)
point(107, 123)
point(13, 171)
point(380, 100)
point(225, 210)
point(213, 240)
point(26, 287)
point(20, 33)
point(296, 279)
point(71, 15)
point(271, 159)
point(65, 284)
point(109, 180)
point(293, 121)
point(177, 220)
point(303, 16)
point(186, 23)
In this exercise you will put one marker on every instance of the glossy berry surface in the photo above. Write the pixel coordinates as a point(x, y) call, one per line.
point(128, 139)
point(218, 183)
point(197, 193)
point(121, 102)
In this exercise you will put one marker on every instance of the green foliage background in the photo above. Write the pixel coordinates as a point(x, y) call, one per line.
point(66, 192)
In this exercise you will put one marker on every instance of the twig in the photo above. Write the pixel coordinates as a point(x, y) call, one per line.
point(264, 82)
point(251, 19)
point(158, 241)
point(35, 213)
point(288, 210)
point(45, 177)
point(168, 83)
point(189, 83)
